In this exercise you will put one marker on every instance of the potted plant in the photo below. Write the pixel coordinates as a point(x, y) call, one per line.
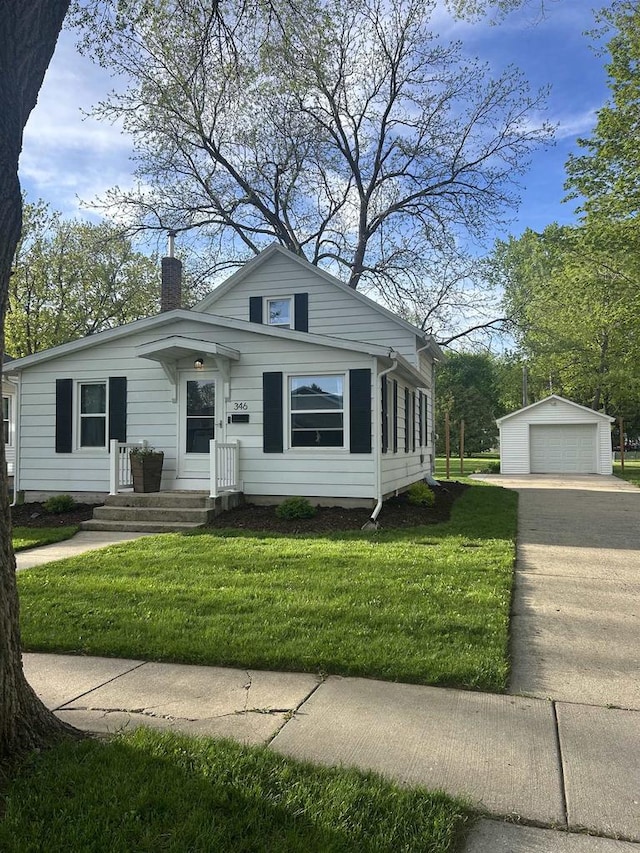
point(146, 468)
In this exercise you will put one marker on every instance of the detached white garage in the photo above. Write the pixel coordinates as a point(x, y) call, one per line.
point(555, 436)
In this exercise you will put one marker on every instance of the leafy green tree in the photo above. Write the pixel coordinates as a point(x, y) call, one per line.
point(72, 279)
point(468, 388)
point(573, 294)
point(607, 175)
point(347, 131)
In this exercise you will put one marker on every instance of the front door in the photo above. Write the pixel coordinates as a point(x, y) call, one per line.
point(199, 422)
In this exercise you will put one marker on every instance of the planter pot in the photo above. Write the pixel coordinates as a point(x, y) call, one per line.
point(146, 471)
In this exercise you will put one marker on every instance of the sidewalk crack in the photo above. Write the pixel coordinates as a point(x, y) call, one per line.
point(563, 783)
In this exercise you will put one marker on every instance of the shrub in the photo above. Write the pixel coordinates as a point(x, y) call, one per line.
point(492, 468)
point(59, 503)
point(295, 508)
point(420, 494)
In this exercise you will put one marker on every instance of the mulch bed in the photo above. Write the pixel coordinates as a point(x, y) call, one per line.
point(35, 515)
point(396, 512)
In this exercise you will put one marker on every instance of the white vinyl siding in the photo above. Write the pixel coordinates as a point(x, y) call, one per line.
point(582, 432)
point(402, 468)
point(332, 311)
point(152, 414)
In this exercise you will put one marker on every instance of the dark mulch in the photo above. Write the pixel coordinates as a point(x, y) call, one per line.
point(396, 512)
point(35, 515)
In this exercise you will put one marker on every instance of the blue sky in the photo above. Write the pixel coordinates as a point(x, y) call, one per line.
point(68, 158)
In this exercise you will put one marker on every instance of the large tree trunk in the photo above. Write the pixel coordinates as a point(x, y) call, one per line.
point(28, 35)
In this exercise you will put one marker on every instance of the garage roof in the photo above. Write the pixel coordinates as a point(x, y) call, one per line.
point(552, 399)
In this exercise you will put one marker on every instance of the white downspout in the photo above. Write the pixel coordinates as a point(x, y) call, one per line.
point(378, 444)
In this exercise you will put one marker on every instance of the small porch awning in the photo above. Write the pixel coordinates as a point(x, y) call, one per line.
point(170, 350)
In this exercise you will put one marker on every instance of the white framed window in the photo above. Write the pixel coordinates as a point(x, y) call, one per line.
point(279, 312)
point(317, 410)
point(93, 402)
point(6, 420)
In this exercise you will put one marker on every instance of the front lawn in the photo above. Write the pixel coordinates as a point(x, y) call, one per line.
point(426, 605)
point(631, 471)
point(150, 792)
point(487, 464)
point(34, 537)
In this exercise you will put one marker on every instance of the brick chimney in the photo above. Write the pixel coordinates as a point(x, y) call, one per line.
point(171, 287)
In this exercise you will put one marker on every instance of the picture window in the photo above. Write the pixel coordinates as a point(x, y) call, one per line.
point(316, 411)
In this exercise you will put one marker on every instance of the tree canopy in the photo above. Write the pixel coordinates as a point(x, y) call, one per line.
point(607, 176)
point(574, 296)
point(347, 131)
point(468, 388)
point(72, 279)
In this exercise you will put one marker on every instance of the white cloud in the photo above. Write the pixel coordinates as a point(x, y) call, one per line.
point(67, 156)
point(580, 124)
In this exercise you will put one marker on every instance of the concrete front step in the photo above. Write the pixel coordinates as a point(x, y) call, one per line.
point(159, 512)
point(140, 526)
point(182, 500)
point(151, 513)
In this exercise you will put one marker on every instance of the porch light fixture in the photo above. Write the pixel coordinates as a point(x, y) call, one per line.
point(198, 363)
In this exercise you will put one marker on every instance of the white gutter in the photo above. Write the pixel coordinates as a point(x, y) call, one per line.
point(378, 441)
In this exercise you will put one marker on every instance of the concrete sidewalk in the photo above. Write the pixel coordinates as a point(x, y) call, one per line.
point(83, 541)
point(570, 762)
point(520, 758)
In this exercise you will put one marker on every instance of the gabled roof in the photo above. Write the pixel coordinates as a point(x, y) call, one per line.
point(212, 320)
point(555, 398)
point(275, 249)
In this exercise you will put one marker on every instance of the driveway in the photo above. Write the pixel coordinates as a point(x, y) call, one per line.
point(576, 605)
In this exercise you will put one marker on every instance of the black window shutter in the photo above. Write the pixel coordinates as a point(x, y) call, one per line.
point(384, 396)
point(406, 420)
point(360, 410)
point(413, 421)
point(421, 418)
point(272, 437)
point(64, 415)
point(118, 408)
point(255, 309)
point(301, 312)
point(395, 415)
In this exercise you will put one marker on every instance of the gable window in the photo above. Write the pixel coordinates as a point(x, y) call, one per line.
point(6, 420)
point(317, 411)
point(92, 414)
point(279, 313)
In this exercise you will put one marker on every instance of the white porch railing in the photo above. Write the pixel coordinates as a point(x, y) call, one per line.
point(119, 466)
point(224, 461)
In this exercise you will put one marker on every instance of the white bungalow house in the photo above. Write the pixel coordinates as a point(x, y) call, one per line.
point(282, 381)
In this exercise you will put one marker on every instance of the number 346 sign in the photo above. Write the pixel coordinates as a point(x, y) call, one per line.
point(237, 406)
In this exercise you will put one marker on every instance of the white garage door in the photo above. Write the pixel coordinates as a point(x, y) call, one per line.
point(563, 448)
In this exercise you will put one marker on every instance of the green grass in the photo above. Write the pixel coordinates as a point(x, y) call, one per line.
point(471, 465)
point(34, 537)
point(426, 605)
point(631, 471)
point(154, 793)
